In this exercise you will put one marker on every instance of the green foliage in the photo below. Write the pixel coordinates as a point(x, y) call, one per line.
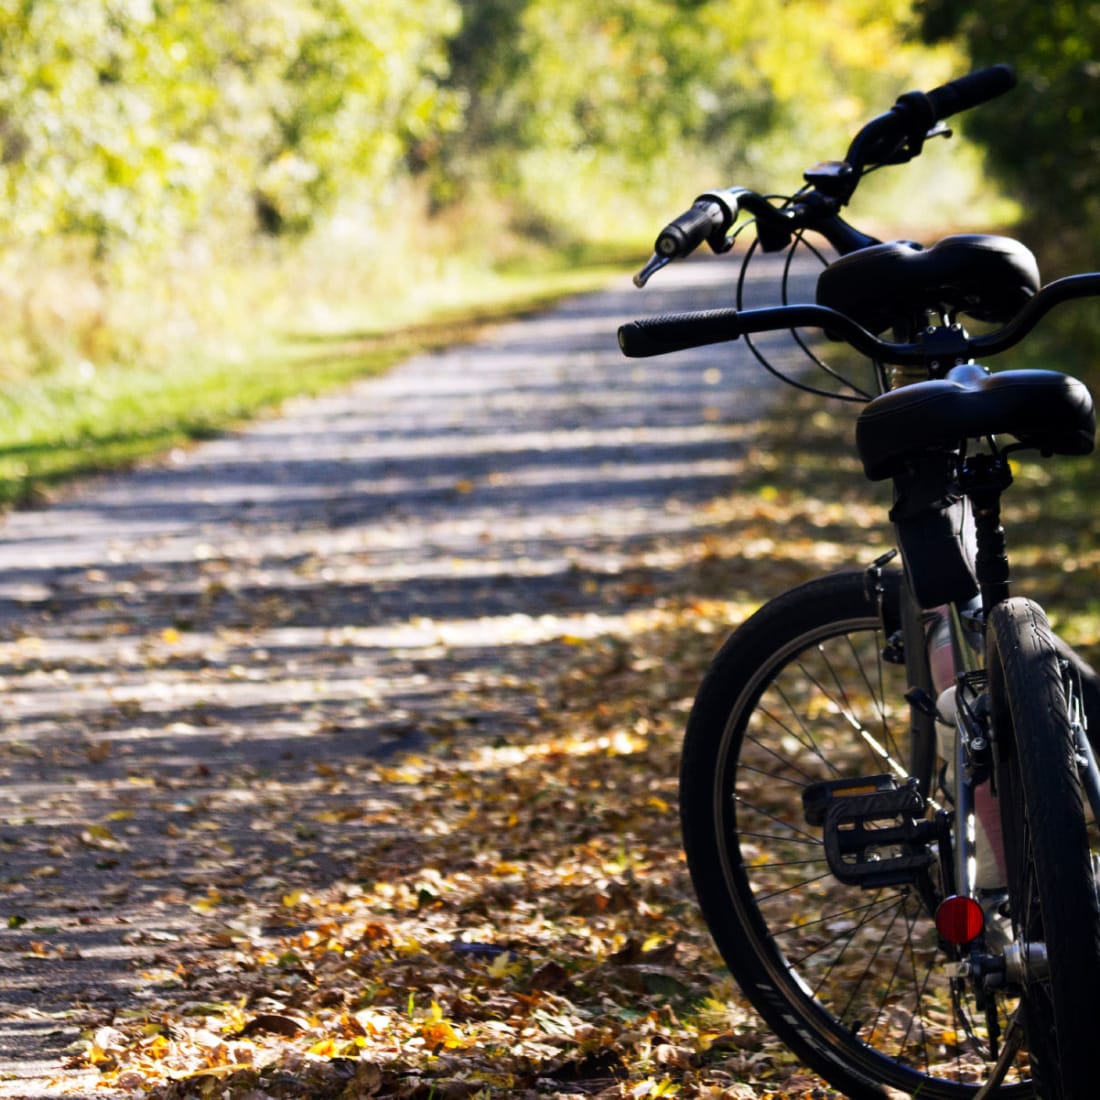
point(135, 121)
point(1044, 137)
point(597, 111)
point(146, 121)
point(172, 168)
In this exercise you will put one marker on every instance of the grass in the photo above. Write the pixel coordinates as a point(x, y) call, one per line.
point(99, 370)
point(78, 419)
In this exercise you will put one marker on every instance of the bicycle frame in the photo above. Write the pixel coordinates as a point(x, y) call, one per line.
point(958, 814)
point(961, 687)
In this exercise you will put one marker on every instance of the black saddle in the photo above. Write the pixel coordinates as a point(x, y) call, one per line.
point(1045, 410)
point(989, 278)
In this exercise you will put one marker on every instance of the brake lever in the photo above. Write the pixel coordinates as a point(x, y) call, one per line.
point(722, 210)
point(718, 243)
point(913, 146)
point(656, 262)
point(914, 149)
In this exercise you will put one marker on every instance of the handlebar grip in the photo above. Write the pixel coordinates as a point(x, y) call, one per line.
point(896, 137)
point(971, 90)
point(684, 234)
point(677, 331)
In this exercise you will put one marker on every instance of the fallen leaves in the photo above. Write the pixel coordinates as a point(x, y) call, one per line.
point(463, 880)
point(526, 927)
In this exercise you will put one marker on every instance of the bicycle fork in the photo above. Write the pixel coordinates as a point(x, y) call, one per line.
point(991, 957)
point(979, 863)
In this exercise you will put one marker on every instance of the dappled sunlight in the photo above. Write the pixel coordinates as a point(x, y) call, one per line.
point(360, 730)
point(322, 658)
point(340, 755)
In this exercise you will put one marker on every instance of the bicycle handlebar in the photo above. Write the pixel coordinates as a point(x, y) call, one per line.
point(678, 331)
point(709, 219)
point(898, 135)
point(891, 138)
point(915, 113)
point(971, 90)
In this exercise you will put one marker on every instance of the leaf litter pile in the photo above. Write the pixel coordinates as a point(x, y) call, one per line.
point(524, 926)
point(503, 911)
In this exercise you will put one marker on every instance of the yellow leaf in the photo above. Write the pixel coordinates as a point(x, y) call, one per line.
point(438, 1032)
point(226, 1070)
point(505, 966)
point(157, 1047)
point(208, 903)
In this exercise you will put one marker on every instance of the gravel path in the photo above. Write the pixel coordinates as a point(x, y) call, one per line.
point(183, 645)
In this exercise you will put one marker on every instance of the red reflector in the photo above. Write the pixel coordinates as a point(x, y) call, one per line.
point(959, 920)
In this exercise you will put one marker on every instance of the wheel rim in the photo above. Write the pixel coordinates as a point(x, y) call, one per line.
point(862, 968)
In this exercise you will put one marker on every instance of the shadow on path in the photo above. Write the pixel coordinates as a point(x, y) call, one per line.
point(265, 617)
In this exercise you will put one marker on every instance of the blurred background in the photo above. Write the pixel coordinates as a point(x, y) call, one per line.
point(189, 182)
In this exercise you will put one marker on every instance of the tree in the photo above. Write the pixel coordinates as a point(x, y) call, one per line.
point(604, 106)
point(1044, 137)
point(134, 120)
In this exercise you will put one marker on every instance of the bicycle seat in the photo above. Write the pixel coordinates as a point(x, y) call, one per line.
point(1048, 411)
point(987, 277)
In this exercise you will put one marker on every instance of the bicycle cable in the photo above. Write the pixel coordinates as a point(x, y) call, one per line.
point(859, 395)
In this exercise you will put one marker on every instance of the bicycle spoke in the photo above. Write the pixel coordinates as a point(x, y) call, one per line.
point(870, 911)
point(825, 717)
point(859, 966)
point(758, 742)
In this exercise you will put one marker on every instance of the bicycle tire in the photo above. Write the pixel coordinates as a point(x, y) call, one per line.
point(1051, 884)
point(851, 980)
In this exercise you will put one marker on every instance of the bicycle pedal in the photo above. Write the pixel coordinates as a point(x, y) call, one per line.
point(875, 832)
point(817, 797)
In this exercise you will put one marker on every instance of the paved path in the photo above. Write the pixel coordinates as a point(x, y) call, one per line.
point(181, 645)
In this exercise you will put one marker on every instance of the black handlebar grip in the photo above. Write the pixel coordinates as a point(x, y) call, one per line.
point(684, 234)
point(971, 90)
point(677, 331)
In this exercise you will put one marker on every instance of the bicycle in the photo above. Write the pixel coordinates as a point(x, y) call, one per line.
point(903, 750)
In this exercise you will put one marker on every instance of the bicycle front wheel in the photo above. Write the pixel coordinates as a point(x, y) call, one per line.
point(1052, 893)
point(851, 978)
